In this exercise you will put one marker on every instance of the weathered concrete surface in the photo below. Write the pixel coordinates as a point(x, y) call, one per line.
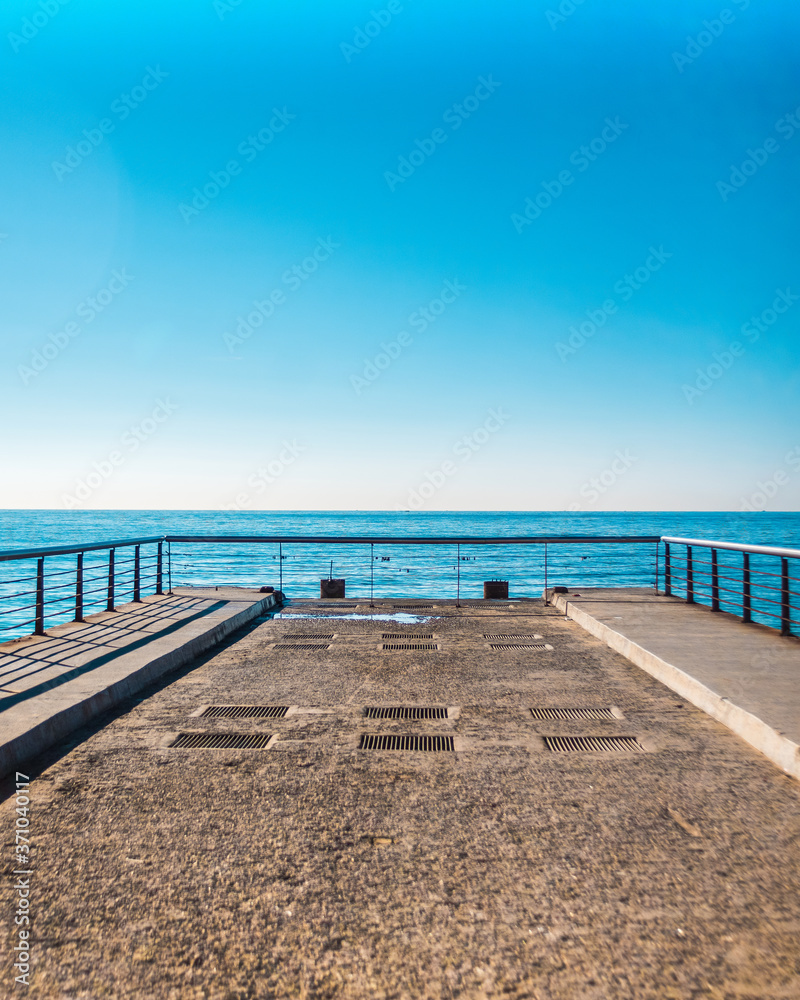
point(51, 685)
point(315, 870)
point(745, 676)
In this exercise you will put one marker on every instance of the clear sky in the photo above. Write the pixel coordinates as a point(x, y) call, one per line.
point(326, 254)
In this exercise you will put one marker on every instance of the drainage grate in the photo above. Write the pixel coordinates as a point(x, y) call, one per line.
point(302, 645)
point(427, 743)
point(245, 712)
point(405, 712)
point(566, 744)
point(221, 741)
point(412, 606)
point(409, 645)
point(406, 635)
point(519, 645)
point(509, 635)
point(572, 713)
point(307, 635)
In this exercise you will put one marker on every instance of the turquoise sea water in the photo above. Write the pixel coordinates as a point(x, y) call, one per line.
point(393, 571)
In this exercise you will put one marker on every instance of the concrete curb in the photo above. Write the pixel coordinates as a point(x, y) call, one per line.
point(777, 747)
point(81, 706)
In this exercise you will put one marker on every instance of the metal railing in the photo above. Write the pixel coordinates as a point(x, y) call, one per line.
point(757, 584)
point(54, 590)
point(59, 589)
point(458, 542)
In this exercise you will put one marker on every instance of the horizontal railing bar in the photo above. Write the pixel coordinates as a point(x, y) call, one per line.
point(68, 596)
point(755, 574)
point(755, 584)
point(97, 590)
point(740, 605)
point(65, 550)
point(767, 550)
point(768, 600)
point(49, 573)
point(24, 607)
point(64, 585)
point(30, 621)
point(21, 593)
point(407, 540)
point(762, 600)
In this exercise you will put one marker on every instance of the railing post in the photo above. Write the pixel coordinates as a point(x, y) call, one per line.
point(689, 576)
point(169, 567)
point(79, 589)
point(160, 569)
point(786, 622)
point(137, 578)
point(714, 581)
point(747, 597)
point(546, 601)
point(667, 571)
point(39, 623)
point(110, 603)
point(657, 545)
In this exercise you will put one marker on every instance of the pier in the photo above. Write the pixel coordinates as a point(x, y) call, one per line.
point(590, 793)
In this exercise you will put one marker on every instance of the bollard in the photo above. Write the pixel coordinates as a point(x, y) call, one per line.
point(331, 588)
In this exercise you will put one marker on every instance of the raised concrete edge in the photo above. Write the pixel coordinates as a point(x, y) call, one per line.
point(84, 708)
point(777, 747)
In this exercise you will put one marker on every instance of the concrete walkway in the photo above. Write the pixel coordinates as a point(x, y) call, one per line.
point(51, 685)
point(745, 676)
point(238, 834)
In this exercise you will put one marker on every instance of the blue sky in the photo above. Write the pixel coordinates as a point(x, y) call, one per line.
point(345, 185)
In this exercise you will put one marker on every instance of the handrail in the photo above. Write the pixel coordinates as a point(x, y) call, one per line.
point(65, 550)
point(416, 540)
point(766, 550)
point(53, 550)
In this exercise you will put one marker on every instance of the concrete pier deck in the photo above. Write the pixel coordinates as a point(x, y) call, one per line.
point(303, 866)
point(52, 684)
point(744, 675)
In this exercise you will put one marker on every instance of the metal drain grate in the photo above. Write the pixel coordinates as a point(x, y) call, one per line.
point(405, 712)
point(510, 636)
point(568, 744)
point(413, 607)
point(409, 645)
point(519, 645)
point(245, 712)
point(221, 741)
point(308, 635)
point(406, 635)
point(572, 713)
point(301, 645)
point(407, 742)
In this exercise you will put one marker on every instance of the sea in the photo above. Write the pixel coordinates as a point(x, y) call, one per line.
point(385, 571)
